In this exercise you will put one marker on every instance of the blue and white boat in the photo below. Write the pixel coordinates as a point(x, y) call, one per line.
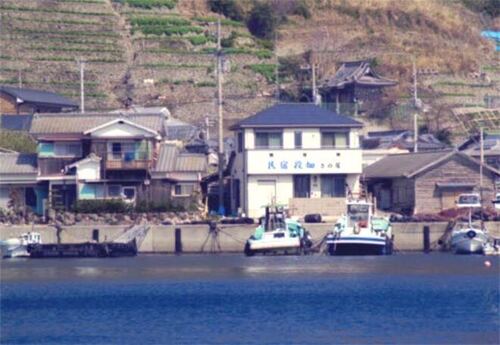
point(358, 232)
point(278, 234)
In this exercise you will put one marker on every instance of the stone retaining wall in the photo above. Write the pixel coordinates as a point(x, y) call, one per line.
point(161, 239)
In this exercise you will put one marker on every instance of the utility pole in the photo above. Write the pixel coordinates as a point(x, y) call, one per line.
point(314, 91)
point(277, 68)
point(19, 78)
point(81, 63)
point(415, 133)
point(481, 163)
point(315, 98)
point(415, 92)
point(221, 129)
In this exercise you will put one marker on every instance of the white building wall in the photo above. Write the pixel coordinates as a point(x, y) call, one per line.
point(326, 161)
point(121, 130)
point(258, 196)
point(90, 170)
point(249, 139)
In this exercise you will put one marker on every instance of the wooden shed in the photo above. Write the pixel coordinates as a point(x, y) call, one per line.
point(428, 182)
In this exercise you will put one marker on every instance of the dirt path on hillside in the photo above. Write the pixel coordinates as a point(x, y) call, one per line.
point(124, 91)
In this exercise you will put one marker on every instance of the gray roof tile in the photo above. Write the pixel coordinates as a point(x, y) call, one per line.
point(38, 96)
point(18, 163)
point(77, 123)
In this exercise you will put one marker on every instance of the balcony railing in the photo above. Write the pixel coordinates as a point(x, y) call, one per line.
point(128, 160)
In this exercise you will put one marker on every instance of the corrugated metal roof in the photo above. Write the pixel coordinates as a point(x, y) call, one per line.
point(78, 123)
point(18, 163)
point(411, 164)
point(403, 165)
point(297, 115)
point(191, 162)
point(38, 96)
point(171, 160)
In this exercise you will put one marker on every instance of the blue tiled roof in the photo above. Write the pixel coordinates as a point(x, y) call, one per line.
point(297, 115)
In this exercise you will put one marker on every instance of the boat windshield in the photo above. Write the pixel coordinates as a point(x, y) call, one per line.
point(358, 212)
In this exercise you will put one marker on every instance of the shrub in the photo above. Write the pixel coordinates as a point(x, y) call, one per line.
point(229, 8)
point(17, 141)
point(267, 70)
point(145, 206)
point(228, 42)
point(102, 206)
point(149, 4)
point(262, 21)
point(163, 21)
point(301, 9)
point(198, 40)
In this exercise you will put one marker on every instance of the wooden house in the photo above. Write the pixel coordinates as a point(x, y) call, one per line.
point(15, 100)
point(427, 182)
point(356, 83)
point(102, 156)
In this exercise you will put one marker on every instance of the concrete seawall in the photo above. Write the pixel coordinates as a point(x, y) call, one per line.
point(161, 239)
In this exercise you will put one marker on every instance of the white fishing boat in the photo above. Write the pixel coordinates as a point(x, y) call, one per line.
point(359, 232)
point(18, 246)
point(469, 237)
point(278, 234)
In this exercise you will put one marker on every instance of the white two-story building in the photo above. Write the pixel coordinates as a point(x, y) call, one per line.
point(299, 155)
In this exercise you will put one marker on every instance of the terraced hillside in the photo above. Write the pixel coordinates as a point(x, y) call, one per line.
point(41, 41)
point(160, 52)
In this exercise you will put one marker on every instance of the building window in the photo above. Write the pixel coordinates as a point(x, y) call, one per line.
point(335, 139)
point(240, 141)
point(298, 140)
point(333, 186)
point(268, 140)
point(123, 151)
point(128, 193)
point(68, 150)
point(302, 186)
point(183, 189)
point(114, 191)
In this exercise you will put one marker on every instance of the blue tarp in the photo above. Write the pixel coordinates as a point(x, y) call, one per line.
point(492, 35)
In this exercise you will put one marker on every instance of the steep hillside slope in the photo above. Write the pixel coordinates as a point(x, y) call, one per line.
point(160, 52)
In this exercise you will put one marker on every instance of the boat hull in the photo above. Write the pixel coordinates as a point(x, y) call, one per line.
point(355, 246)
point(284, 246)
point(469, 242)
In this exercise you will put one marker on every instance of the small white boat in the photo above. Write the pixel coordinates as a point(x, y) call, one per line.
point(469, 238)
point(278, 235)
point(360, 233)
point(18, 246)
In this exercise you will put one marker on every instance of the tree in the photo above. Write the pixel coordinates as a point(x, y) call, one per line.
point(229, 8)
point(262, 21)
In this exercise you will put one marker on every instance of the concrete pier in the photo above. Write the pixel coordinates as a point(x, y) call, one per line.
point(190, 239)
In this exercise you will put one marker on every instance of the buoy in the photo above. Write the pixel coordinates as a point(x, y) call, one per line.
point(487, 263)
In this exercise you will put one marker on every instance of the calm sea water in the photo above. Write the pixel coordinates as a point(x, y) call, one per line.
point(229, 299)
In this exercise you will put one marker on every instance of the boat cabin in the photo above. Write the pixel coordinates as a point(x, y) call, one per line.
point(469, 200)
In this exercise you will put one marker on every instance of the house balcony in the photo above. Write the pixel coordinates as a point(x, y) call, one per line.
point(128, 160)
point(304, 161)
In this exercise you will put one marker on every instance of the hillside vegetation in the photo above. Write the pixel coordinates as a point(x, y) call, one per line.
point(160, 52)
